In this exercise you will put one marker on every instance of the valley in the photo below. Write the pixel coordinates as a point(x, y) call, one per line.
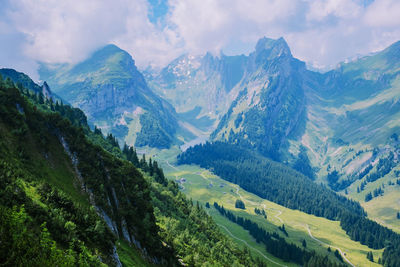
point(203, 186)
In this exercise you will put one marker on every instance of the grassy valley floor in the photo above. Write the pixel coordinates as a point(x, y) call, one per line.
point(319, 233)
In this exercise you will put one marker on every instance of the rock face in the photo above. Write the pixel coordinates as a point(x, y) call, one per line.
point(115, 96)
point(199, 86)
point(339, 116)
point(270, 100)
point(46, 91)
point(256, 100)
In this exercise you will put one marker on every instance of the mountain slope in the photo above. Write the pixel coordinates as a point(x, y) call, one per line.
point(72, 187)
point(351, 112)
point(23, 81)
point(66, 200)
point(113, 93)
point(342, 125)
point(270, 105)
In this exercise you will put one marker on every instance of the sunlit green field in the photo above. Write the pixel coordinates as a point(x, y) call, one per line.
point(203, 186)
point(382, 209)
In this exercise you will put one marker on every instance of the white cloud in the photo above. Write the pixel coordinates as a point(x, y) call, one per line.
point(383, 13)
point(321, 32)
point(321, 9)
point(211, 25)
point(68, 31)
point(64, 30)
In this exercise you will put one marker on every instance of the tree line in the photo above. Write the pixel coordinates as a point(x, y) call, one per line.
point(284, 186)
point(274, 243)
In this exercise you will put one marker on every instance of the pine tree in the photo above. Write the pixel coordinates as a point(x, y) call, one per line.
point(151, 170)
point(40, 98)
point(264, 214)
point(239, 204)
point(143, 163)
point(337, 255)
point(370, 256)
point(125, 150)
point(135, 158)
point(368, 197)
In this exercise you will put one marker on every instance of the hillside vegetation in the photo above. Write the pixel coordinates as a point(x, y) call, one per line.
point(66, 200)
point(255, 174)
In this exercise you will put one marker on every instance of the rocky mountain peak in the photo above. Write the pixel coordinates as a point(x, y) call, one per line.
point(269, 49)
point(46, 90)
point(109, 58)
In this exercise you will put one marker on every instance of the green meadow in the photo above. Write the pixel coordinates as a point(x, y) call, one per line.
point(319, 233)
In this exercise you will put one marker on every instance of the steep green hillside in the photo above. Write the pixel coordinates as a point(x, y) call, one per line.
point(65, 200)
point(113, 93)
point(351, 111)
point(53, 171)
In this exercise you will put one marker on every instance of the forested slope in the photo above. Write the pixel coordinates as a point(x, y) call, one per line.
point(64, 200)
point(280, 184)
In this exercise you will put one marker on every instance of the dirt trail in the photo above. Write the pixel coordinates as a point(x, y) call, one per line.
point(173, 167)
point(256, 204)
point(276, 216)
point(321, 242)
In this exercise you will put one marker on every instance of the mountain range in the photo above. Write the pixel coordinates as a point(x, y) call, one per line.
point(264, 115)
point(276, 105)
point(339, 122)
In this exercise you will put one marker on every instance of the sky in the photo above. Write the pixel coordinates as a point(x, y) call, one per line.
point(320, 32)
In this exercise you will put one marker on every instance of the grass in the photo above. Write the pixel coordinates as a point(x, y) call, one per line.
point(244, 239)
point(130, 256)
point(382, 209)
point(203, 186)
point(134, 126)
point(54, 166)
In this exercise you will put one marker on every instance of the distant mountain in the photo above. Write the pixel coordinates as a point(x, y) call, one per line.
point(342, 125)
point(351, 111)
point(115, 96)
point(270, 103)
point(199, 86)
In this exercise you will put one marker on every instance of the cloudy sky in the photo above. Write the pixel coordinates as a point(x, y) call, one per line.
point(320, 32)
